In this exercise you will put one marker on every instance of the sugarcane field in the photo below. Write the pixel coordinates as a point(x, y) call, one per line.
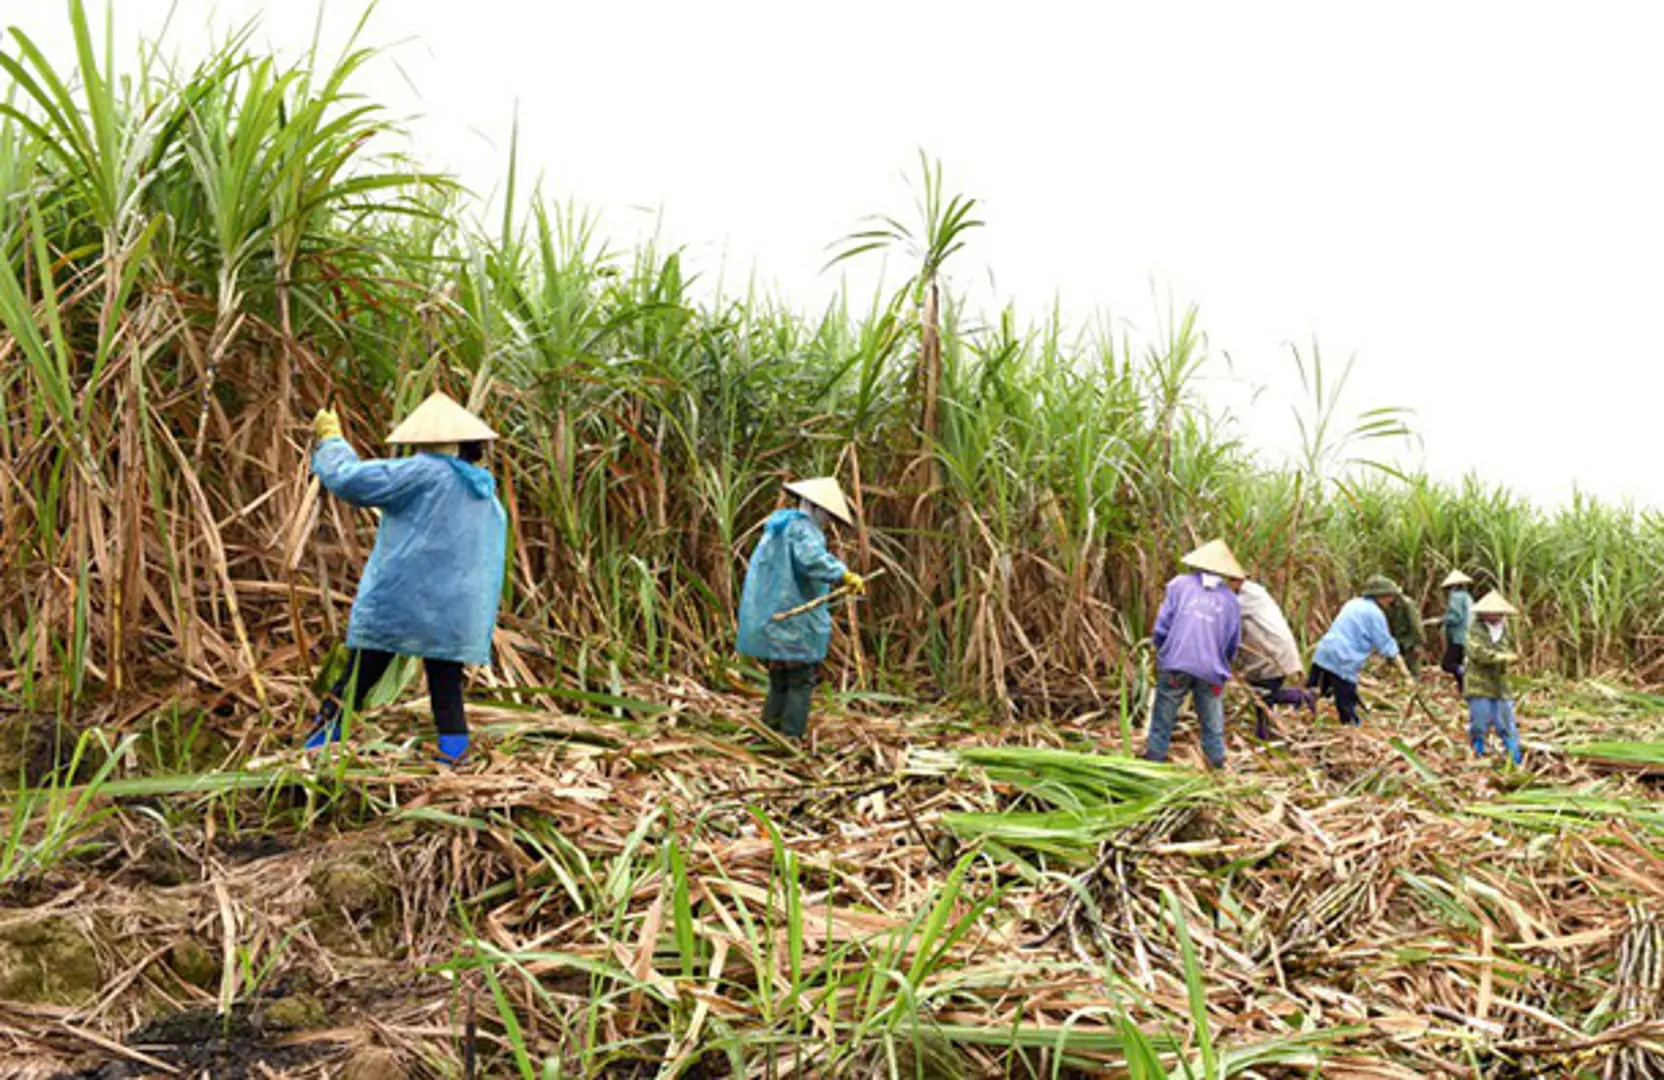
point(444, 637)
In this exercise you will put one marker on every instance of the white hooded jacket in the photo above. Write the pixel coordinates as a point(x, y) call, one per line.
point(1269, 650)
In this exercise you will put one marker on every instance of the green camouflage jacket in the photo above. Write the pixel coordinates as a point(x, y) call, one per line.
point(1404, 621)
point(1487, 674)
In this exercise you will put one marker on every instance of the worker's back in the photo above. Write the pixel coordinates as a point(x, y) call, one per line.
point(1360, 629)
point(433, 582)
point(789, 567)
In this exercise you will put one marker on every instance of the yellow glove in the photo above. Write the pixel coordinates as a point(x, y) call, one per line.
point(326, 425)
point(1507, 657)
point(854, 583)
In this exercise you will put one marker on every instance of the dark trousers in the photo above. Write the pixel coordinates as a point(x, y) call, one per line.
point(791, 687)
point(1344, 691)
point(1272, 692)
point(1455, 664)
point(365, 667)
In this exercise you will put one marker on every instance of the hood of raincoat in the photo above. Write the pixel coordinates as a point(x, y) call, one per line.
point(432, 584)
point(479, 483)
point(789, 567)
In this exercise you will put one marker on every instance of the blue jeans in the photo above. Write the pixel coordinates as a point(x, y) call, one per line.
point(1171, 687)
point(1487, 714)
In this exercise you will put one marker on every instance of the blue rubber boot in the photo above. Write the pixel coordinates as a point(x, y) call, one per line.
point(324, 735)
point(452, 748)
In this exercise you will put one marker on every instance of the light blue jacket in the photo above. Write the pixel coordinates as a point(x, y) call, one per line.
point(433, 582)
point(791, 566)
point(1457, 611)
point(1359, 629)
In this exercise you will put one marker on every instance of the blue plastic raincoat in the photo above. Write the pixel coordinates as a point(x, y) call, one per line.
point(432, 584)
point(791, 566)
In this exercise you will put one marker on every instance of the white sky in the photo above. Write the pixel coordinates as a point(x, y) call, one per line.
point(1467, 196)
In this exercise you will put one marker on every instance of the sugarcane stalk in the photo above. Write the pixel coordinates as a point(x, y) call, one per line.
point(836, 594)
point(299, 528)
point(1416, 700)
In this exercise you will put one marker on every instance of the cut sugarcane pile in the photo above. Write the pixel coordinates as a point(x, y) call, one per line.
point(652, 881)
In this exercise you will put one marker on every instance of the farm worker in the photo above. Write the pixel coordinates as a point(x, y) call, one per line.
point(1359, 630)
point(1197, 633)
point(1404, 623)
point(1490, 651)
point(431, 586)
point(1270, 656)
point(1458, 609)
point(789, 568)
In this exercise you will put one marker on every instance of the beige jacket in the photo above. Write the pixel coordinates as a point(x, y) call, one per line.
point(1269, 650)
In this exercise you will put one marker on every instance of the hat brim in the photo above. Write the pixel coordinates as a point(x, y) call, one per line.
point(824, 492)
point(1492, 603)
point(440, 420)
point(1215, 557)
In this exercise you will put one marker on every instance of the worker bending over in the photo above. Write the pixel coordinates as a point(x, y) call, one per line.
point(1270, 656)
point(1358, 631)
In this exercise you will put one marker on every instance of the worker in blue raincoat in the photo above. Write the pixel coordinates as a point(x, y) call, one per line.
point(432, 584)
point(789, 568)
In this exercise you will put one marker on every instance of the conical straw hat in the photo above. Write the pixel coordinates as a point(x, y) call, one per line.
point(440, 420)
point(1493, 604)
point(1454, 578)
point(825, 493)
point(1215, 558)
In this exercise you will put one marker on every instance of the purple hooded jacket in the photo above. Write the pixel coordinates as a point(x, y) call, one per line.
point(1198, 630)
